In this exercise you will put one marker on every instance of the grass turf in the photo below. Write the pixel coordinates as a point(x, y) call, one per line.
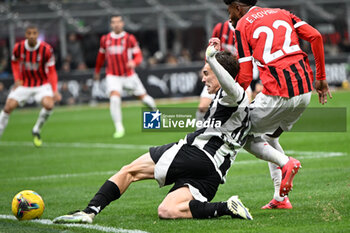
point(320, 197)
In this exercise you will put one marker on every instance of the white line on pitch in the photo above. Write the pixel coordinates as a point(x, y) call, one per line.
point(90, 227)
point(308, 155)
point(78, 145)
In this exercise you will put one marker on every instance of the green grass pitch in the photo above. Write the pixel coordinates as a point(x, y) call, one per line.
point(68, 174)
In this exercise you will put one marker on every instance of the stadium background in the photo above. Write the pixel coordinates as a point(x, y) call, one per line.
point(172, 35)
point(79, 152)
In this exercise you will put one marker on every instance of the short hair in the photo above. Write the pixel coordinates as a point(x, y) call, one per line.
point(229, 62)
point(32, 26)
point(247, 2)
point(115, 15)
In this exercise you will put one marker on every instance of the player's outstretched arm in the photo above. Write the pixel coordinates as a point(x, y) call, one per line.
point(227, 82)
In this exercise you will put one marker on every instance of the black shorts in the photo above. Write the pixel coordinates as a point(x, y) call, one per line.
point(185, 165)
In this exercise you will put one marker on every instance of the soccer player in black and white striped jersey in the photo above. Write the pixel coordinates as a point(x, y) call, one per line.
point(197, 164)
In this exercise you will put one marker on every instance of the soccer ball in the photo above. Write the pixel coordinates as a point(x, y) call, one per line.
point(27, 205)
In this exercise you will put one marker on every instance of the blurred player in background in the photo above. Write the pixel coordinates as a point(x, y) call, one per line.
point(270, 37)
point(122, 53)
point(34, 73)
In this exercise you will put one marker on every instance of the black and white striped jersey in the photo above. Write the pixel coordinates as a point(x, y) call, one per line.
point(221, 144)
point(229, 109)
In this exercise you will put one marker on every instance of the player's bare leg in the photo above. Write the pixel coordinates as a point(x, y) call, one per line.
point(148, 101)
point(10, 105)
point(48, 103)
point(181, 204)
point(116, 113)
point(140, 169)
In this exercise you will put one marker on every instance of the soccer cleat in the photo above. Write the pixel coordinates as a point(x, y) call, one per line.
point(273, 204)
point(235, 205)
point(37, 139)
point(119, 133)
point(75, 217)
point(289, 170)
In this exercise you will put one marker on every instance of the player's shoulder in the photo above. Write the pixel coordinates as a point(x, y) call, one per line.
point(45, 44)
point(218, 26)
point(130, 35)
point(19, 43)
point(105, 36)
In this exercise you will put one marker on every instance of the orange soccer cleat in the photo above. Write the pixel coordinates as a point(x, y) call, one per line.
point(289, 170)
point(273, 204)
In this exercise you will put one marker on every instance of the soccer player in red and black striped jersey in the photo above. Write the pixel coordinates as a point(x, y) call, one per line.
point(122, 53)
point(226, 33)
point(34, 73)
point(270, 37)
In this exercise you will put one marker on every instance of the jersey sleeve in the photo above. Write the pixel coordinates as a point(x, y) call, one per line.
point(234, 92)
point(135, 50)
point(49, 57)
point(216, 30)
point(102, 45)
point(16, 52)
point(101, 55)
point(314, 37)
point(15, 62)
point(245, 75)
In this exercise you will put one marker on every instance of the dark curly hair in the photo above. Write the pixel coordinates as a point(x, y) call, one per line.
point(247, 2)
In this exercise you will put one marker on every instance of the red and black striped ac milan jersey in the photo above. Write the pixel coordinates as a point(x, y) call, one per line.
point(118, 50)
point(33, 62)
point(225, 32)
point(270, 37)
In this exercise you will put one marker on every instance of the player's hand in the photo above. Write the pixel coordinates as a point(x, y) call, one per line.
point(322, 89)
point(57, 96)
point(131, 64)
point(215, 42)
point(17, 84)
point(97, 76)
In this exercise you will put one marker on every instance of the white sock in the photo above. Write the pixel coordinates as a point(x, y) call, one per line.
point(149, 101)
point(276, 176)
point(263, 150)
point(116, 112)
point(43, 116)
point(275, 172)
point(4, 119)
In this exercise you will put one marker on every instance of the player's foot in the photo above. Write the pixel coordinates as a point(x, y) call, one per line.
point(289, 170)
point(119, 133)
point(37, 139)
point(237, 208)
point(273, 204)
point(75, 217)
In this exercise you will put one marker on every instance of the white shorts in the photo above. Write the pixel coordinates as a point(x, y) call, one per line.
point(131, 83)
point(268, 113)
point(205, 93)
point(22, 94)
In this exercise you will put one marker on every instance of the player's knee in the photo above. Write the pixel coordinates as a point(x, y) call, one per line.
point(165, 212)
point(48, 103)
point(10, 106)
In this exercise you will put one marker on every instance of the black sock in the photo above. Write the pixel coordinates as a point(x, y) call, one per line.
point(202, 210)
point(108, 192)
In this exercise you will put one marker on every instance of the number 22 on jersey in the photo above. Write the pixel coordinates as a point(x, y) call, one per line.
point(287, 48)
